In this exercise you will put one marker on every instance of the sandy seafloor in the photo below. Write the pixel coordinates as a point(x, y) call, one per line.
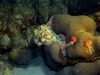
point(35, 67)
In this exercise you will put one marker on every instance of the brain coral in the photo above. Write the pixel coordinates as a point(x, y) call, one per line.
point(83, 49)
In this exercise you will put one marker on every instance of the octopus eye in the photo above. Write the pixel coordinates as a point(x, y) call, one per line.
point(51, 36)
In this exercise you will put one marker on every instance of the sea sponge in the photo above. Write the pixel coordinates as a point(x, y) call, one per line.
point(22, 57)
point(14, 56)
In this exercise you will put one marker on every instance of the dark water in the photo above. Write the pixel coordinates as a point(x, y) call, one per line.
point(76, 7)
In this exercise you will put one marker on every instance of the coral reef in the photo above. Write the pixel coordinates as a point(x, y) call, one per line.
point(5, 68)
point(68, 44)
point(43, 12)
point(16, 32)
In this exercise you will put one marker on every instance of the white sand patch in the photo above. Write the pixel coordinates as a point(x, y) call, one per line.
point(35, 67)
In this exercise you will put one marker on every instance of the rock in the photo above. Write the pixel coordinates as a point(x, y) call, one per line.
point(81, 69)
